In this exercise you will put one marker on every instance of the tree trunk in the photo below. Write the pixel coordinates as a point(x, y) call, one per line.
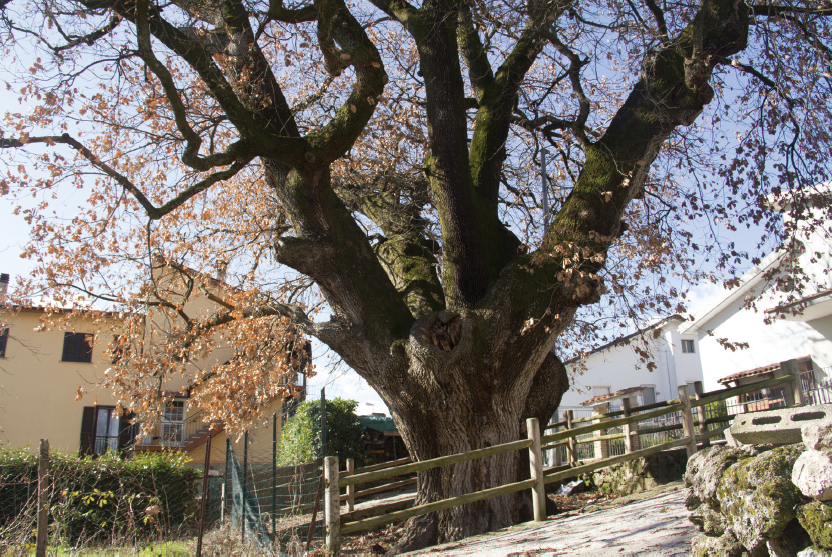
point(453, 398)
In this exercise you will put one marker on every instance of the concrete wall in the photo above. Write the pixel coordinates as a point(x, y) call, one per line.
point(37, 389)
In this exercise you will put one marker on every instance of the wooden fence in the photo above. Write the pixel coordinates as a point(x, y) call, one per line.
point(535, 444)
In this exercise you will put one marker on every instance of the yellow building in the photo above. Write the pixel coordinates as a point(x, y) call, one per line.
point(42, 368)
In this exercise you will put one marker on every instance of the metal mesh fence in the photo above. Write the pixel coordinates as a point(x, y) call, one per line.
point(272, 508)
point(152, 501)
point(103, 503)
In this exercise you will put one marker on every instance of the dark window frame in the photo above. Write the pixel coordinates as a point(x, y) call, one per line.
point(78, 348)
point(96, 445)
point(4, 339)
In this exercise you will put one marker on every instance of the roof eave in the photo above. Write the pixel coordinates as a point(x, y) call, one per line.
point(751, 279)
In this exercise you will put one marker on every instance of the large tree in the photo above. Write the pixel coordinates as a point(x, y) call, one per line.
point(380, 154)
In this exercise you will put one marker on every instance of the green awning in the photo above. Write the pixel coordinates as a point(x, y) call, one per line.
point(377, 423)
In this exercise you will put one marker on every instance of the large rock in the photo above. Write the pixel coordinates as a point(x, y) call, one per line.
point(817, 436)
point(705, 470)
point(812, 474)
point(813, 552)
point(757, 498)
point(793, 539)
point(708, 521)
point(725, 545)
point(816, 519)
point(641, 474)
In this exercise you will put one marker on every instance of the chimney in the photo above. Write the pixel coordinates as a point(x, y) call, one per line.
point(4, 283)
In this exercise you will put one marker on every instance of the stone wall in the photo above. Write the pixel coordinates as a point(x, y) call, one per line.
point(763, 499)
point(641, 474)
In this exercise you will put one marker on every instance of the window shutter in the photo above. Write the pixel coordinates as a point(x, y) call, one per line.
point(70, 348)
point(84, 348)
point(125, 435)
point(87, 429)
point(4, 336)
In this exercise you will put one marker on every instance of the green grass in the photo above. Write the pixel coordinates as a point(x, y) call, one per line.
point(167, 549)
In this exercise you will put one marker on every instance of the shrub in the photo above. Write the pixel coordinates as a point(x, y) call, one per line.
point(97, 499)
point(300, 439)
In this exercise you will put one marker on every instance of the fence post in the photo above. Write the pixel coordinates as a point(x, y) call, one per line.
point(274, 478)
point(332, 506)
point(701, 413)
point(556, 451)
point(602, 448)
point(222, 502)
point(226, 483)
point(789, 367)
point(687, 420)
point(43, 472)
point(351, 488)
point(536, 468)
point(244, 488)
point(632, 442)
point(323, 422)
point(571, 452)
point(204, 500)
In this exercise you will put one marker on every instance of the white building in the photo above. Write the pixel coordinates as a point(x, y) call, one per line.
point(727, 338)
point(788, 322)
point(673, 360)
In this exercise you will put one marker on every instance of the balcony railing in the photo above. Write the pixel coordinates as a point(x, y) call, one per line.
point(175, 434)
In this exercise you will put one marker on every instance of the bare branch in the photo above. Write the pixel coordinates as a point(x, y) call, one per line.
point(574, 71)
point(153, 212)
point(278, 13)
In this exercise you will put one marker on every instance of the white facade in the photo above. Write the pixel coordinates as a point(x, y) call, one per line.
point(618, 366)
point(788, 336)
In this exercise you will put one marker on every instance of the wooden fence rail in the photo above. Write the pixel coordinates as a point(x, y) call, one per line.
point(606, 424)
point(535, 443)
point(435, 462)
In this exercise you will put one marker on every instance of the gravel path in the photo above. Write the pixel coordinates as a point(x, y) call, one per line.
point(652, 523)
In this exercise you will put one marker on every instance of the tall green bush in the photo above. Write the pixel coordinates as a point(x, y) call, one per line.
point(300, 439)
point(99, 499)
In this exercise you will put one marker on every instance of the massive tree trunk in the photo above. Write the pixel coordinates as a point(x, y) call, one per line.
point(451, 407)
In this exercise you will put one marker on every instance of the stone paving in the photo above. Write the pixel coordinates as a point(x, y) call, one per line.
point(651, 523)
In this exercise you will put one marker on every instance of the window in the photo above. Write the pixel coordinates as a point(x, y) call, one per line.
point(106, 431)
point(103, 431)
point(4, 337)
point(173, 424)
point(687, 347)
point(77, 348)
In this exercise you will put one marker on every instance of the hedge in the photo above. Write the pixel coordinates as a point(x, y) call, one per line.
point(99, 499)
point(300, 440)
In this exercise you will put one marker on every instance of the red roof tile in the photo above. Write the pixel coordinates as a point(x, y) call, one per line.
point(762, 370)
point(611, 396)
